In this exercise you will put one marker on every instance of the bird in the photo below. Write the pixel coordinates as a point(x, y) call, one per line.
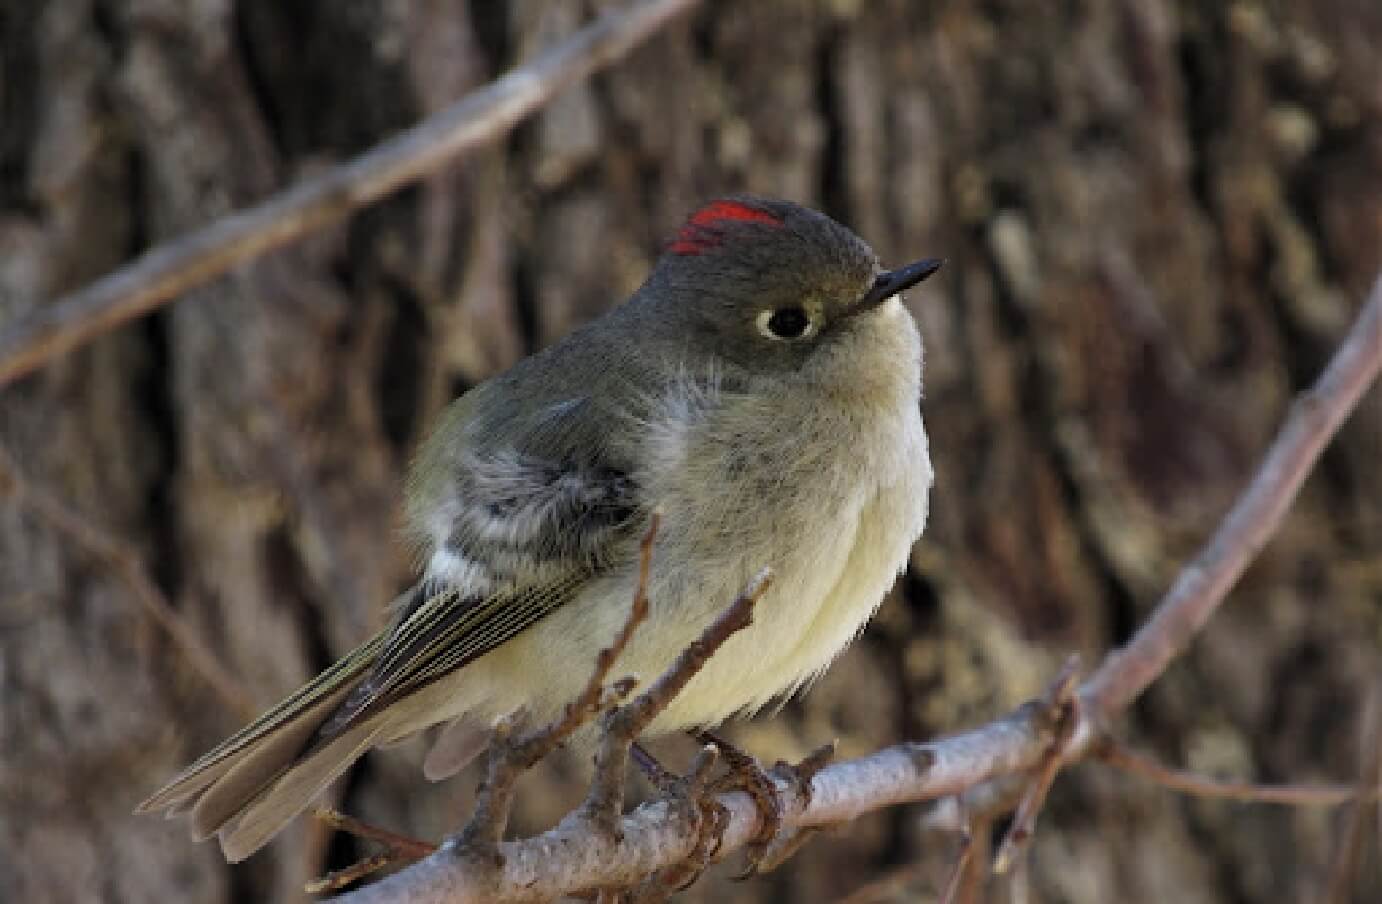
point(760, 392)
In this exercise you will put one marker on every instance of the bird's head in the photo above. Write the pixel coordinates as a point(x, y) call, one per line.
point(768, 284)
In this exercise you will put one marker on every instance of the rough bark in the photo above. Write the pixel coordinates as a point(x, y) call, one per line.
point(1158, 218)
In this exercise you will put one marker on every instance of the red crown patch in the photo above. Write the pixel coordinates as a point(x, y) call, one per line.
point(702, 229)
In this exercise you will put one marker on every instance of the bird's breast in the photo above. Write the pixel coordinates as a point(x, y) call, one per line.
point(830, 494)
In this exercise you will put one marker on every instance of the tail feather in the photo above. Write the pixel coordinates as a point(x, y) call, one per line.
point(256, 821)
point(258, 767)
point(207, 770)
point(244, 773)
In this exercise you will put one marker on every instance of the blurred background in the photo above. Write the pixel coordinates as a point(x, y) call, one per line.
point(1159, 218)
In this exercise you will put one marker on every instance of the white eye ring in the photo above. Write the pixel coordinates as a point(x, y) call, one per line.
point(765, 318)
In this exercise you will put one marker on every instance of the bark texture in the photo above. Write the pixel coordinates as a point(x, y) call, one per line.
point(1158, 219)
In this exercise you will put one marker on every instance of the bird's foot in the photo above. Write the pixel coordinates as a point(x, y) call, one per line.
point(693, 795)
point(800, 774)
point(769, 848)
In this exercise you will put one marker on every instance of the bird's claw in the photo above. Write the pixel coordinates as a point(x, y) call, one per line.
point(770, 846)
point(745, 774)
point(691, 792)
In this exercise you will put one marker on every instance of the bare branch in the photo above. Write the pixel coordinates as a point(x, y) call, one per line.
point(358, 870)
point(397, 849)
point(1122, 757)
point(404, 847)
point(509, 759)
point(475, 867)
point(570, 857)
point(124, 561)
point(171, 269)
point(629, 721)
point(971, 867)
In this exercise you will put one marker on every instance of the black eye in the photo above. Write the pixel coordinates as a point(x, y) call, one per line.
point(788, 323)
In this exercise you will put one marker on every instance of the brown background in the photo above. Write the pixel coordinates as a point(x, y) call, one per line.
point(1158, 219)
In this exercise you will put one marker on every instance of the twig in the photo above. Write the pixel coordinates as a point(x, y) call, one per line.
point(509, 759)
point(335, 881)
point(398, 849)
point(571, 857)
point(971, 863)
point(404, 847)
point(1202, 586)
point(623, 726)
point(1122, 757)
point(124, 561)
point(486, 864)
point(1064, 710)
point(629, 721)
point(171, 269)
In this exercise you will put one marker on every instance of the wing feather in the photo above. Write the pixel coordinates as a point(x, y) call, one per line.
point(530, 531)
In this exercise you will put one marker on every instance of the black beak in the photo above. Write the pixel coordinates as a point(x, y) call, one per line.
point(894, 281)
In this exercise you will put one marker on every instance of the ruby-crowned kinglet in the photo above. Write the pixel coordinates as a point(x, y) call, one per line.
point(761, 390)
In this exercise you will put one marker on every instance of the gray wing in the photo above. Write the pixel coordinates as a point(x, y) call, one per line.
point(527, 529)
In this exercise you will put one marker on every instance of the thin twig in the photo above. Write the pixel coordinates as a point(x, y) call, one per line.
point(1064, 709)
point(629, 721)
point(961, 874)
point(971, 866)
point(339, 879)
point(124, 560)
point(405, 848)
point(398, 849)
point(168, 270)
point(592, 698)
point(622, 726)
point(1122, 757)
point(508, 759)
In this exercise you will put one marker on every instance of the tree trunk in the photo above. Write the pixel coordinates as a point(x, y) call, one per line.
point(1158, 219)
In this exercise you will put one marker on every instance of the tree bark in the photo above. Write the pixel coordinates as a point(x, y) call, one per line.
point(1158, 220)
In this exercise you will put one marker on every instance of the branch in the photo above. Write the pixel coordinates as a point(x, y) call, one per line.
point(174, 267)
point(1143, 766)
point(965, 880)
point(397, 849)
point(571, 857)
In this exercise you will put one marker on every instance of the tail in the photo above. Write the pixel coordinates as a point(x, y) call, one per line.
point(255, 781)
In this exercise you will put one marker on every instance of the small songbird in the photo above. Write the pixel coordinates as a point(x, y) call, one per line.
point(761, 391)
